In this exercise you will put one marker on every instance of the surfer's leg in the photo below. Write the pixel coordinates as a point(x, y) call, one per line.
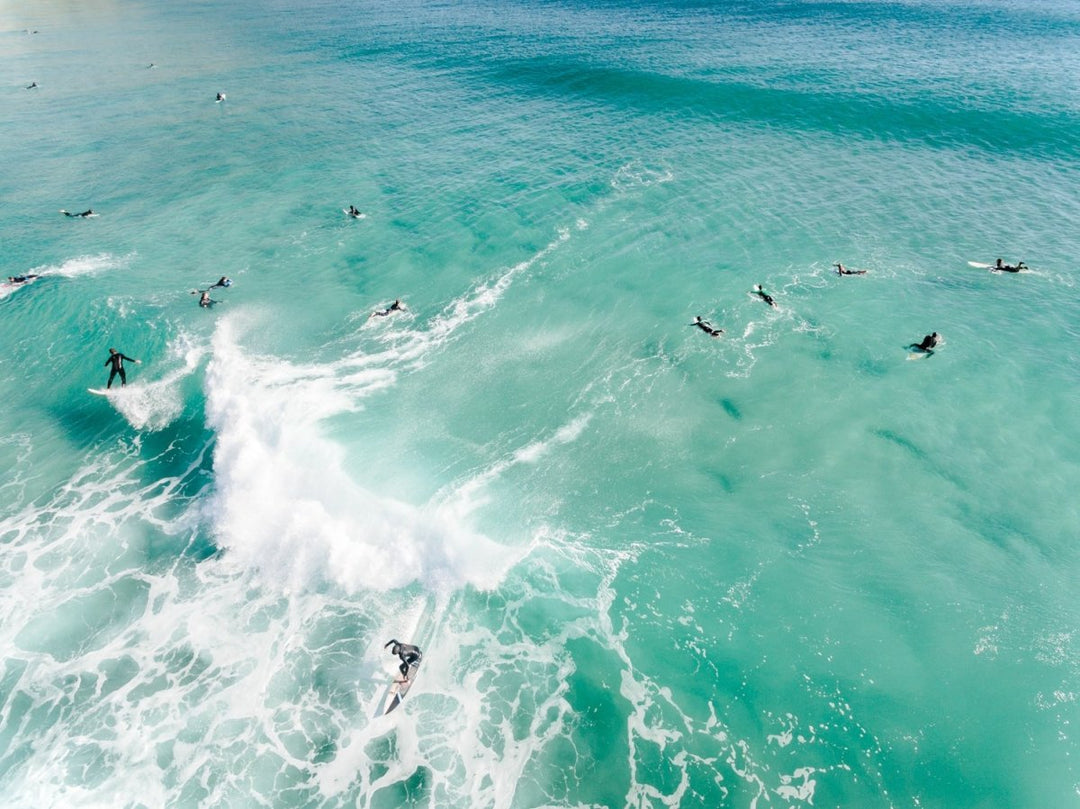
point(123, 377)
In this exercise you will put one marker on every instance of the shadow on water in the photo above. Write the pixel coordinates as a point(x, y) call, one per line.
point(920, 455)
point(731, 409)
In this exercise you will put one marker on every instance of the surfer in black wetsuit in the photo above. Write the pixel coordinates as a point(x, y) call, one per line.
point(21, 279)
point(706, 327)
point(116, 359)
point(408, 653)
point(1002, 267)
point(31, 86)
point(396, 306)
point(220, 97)
point(765, 296)
point(354, 212)
point(928, 344)
point(221, 282)
point(842, 270)
point(84, 214)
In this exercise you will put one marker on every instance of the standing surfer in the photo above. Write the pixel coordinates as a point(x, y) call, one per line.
point(116, 359)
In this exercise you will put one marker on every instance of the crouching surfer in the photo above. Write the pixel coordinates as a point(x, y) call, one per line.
point(410, 656)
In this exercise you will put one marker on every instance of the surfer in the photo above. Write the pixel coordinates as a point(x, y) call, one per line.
point(765, 296)
point(84, 214)
point(409, 654)
point(396, 306)
point(1002, 267)
point(354, 212)
point(21, 279)
point(842, 270)
point(220, 97)
point(706, 327)
point(116, 359)
point(31, 86)
point(221, 282)
point(928, 344)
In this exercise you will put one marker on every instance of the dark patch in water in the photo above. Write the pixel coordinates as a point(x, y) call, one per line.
point(731, 409)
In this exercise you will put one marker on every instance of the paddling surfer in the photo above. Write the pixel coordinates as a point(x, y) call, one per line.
point(1002, 267)
point(706, 327)
point(842, 270)
point(396, 306)
point(765, 296)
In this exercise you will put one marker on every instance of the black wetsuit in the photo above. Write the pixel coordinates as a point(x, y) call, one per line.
point(84, 214)
point(765, 296)
point(117, 361)
point(21, 279)
point(706, 326)
point(408, 653)
point(929, 342)
point(394, 307)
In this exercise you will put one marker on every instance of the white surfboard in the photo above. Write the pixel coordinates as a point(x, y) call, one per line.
point(980, 265)
point(395, 695)
point(354, 216)
point(99, 391)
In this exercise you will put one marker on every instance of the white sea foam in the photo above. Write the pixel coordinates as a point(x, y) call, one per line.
point(284, 503)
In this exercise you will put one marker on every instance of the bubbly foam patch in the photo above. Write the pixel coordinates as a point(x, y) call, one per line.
point(284, 503)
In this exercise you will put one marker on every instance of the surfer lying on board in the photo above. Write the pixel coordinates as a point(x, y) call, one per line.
point(842, 270)
point(1001, 267)
point(706, 327)
point(396, 306)
point(765, 296)
point(408, 653)
point(21, 279)
point(116, 359)
point(928, 344)
point(221, 282)
point(84, 214)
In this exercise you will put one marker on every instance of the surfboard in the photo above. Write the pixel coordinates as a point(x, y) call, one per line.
point(99, 391)
point(79, 215)
point(980, 265)
point(354, 216)
point(395, 694)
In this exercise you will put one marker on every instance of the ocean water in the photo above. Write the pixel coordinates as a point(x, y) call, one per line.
point(783, 567)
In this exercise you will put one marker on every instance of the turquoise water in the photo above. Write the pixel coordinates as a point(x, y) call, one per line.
point(782, 567)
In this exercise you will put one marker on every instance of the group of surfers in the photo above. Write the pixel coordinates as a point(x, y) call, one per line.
point(925, 346)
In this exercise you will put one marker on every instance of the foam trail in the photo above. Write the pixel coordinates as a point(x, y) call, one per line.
point(284, 504)
point(412, 348)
